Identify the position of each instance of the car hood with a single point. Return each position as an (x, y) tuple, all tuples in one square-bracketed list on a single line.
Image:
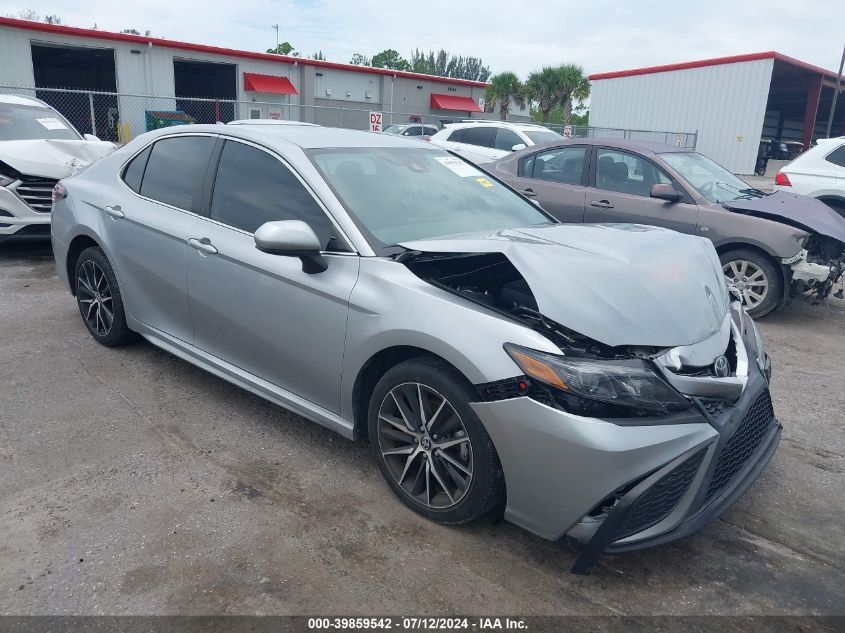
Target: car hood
[(802, 212), (51, 158), (619, 284)]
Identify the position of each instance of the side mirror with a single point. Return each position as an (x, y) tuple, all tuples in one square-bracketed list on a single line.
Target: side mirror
[(90, 137), (665, 192), (293, 238), (518, 147)]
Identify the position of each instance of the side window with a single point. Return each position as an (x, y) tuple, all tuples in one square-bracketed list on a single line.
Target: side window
[(506, 139), (134, 171), (627, 173), (457, 136), (482, 136), (252, 187), (175, 170), (430, 131), (564, 165), (837, 156)]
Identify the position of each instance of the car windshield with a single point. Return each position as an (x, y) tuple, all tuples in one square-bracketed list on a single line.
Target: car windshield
[(395, 129), (710, 179), (542, 136), (403, 194), (22, 122)]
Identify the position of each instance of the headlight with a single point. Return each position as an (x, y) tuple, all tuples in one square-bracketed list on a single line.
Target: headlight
[(631, 384), (5, 181)]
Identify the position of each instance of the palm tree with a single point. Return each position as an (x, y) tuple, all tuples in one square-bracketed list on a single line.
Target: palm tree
[(574, 85), (505, 88), (544, 88)]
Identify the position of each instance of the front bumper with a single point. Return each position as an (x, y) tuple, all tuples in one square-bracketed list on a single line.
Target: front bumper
[(19, 220)]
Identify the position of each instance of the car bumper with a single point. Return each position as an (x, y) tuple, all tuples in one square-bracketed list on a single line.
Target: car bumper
[(19, 220), (621, 487)]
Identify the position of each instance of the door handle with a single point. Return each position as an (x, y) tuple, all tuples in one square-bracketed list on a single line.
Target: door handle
[(601, 204), (204, 245), (528, 193), (114, 211)]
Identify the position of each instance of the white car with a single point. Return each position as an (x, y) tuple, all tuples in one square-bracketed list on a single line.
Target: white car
[(819, 172), (411, 129), (485, 141), (270, 122), (38, 147)]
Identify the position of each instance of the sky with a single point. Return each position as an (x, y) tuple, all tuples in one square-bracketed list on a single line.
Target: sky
[(599, 35)]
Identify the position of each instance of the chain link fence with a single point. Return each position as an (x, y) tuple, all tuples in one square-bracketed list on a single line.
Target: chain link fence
[(120, 117)]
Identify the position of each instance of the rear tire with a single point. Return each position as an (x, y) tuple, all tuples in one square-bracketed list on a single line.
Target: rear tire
[(756, 276), (449, 471), (99, 300)]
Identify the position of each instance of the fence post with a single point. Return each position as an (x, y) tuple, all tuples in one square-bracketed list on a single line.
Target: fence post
[(339, 117), (93, 117)]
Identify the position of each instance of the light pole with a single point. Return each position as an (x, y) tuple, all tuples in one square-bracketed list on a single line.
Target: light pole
[(835, 95), (276, 26)]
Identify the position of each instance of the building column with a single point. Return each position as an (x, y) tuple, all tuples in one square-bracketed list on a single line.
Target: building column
[(813, 92)]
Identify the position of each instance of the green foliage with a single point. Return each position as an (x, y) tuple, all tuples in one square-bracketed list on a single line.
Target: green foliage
[(555, 89), (360, 60), (285, 48), (444, 64), (505, 89), (318, 56), (391, 59), (31, 15), (580, 115)]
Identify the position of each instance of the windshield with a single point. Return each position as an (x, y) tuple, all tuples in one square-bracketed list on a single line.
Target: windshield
[(712, 181), (395, 129), (543, 136), (22, 122), (404, 194)]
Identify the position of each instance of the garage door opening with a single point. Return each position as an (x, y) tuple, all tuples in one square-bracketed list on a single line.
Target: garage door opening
[(79, 68), (208, 81)]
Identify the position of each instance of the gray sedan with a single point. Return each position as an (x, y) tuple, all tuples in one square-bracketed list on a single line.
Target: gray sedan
[(770, 246), (591, 381)]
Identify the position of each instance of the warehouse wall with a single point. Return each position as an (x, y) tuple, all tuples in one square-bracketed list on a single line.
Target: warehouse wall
[(725, 104)]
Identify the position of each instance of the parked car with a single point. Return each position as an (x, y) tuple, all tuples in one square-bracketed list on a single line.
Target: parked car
[(411, 129), (269, 122), (819, 172), (595, 381), (770, 246), (482, 142), (37, 147)]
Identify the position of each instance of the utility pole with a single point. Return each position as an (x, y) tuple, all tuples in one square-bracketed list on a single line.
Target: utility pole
[(836, 89), (276, 26)]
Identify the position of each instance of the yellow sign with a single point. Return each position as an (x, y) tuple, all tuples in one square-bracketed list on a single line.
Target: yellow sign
[(484, 182), (740, 138)]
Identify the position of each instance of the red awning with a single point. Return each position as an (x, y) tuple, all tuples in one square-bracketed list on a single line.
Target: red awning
[(451, 102), (268, 83)]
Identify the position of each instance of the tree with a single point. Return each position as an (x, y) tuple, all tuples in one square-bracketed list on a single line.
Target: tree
[(147, 33), (574, 85), (505, 88), (319, 56), (285, 48), (360, 60), (31, 15), (544, 88), (52, 19), (391, 59), (443, 64)]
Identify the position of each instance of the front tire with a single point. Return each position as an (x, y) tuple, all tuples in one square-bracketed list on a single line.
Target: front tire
[(757, 278), (430, 445), (99, 300)]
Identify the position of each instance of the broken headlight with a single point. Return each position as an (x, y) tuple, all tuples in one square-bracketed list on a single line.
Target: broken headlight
[(627, 385)]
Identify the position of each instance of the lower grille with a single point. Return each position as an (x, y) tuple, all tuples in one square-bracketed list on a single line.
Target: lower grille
[(37, 192), (657, 502), (743, 443)]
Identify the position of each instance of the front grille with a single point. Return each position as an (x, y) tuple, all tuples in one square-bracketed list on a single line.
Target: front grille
[(743, 443), (37, 192), (657, 502)]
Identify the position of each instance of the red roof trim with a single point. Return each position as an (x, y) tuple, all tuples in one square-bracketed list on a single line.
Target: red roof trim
[(253, 82), (454, 102), (73, 31), (717, 61)]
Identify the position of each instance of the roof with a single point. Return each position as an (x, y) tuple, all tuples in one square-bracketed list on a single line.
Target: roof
[(496, 123), (20, 100), (273, 84), (716, 61), (61, 29), (644, 147), (452, 102)]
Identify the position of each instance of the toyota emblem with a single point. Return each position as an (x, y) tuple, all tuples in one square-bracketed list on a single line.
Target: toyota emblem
[(721, 367)]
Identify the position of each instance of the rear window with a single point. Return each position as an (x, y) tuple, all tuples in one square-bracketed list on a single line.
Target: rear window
[(175, 170), (837, 156), (22, 122)]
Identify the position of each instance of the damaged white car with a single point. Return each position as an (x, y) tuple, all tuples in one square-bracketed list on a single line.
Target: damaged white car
[(38, 146)]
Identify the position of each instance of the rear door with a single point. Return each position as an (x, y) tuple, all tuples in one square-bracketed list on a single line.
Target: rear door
[(556, 178), (145, 225), (620, 191)]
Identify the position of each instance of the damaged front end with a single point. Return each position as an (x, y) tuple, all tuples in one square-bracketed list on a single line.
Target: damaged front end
[(819, 269)]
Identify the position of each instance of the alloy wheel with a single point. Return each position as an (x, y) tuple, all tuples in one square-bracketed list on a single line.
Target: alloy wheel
[(749, 279), (95, 298), (425, 445)]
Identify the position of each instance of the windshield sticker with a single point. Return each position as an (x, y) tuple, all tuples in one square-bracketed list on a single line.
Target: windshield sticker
[(457, 166), (52, 123), (484, 182)]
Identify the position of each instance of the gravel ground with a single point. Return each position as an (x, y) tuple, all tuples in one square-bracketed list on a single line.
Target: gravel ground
[(134, 483)]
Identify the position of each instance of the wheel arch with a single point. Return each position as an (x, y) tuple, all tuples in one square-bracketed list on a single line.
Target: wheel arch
[(75, 248)]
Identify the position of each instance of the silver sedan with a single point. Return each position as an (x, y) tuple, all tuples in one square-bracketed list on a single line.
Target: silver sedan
[(596, 381)]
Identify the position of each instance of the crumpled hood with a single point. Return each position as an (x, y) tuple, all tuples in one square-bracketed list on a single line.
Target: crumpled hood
[(619, 284), (803, 212), (52, 158)]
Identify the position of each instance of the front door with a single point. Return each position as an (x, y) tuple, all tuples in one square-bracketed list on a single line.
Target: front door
[(259, 311)]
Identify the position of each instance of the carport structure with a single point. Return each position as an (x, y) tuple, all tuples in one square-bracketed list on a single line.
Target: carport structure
[(732, 102)]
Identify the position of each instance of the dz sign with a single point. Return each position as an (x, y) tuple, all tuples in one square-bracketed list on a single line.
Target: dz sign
[(375, 121)]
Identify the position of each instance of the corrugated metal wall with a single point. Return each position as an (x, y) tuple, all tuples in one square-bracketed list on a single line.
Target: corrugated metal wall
[(725, 104)]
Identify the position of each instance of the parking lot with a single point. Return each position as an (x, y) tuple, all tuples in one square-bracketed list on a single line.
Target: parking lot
[(135, 483)]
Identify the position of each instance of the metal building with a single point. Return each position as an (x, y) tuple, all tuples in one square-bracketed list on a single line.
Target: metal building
[(733, 103), (128, 76)]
